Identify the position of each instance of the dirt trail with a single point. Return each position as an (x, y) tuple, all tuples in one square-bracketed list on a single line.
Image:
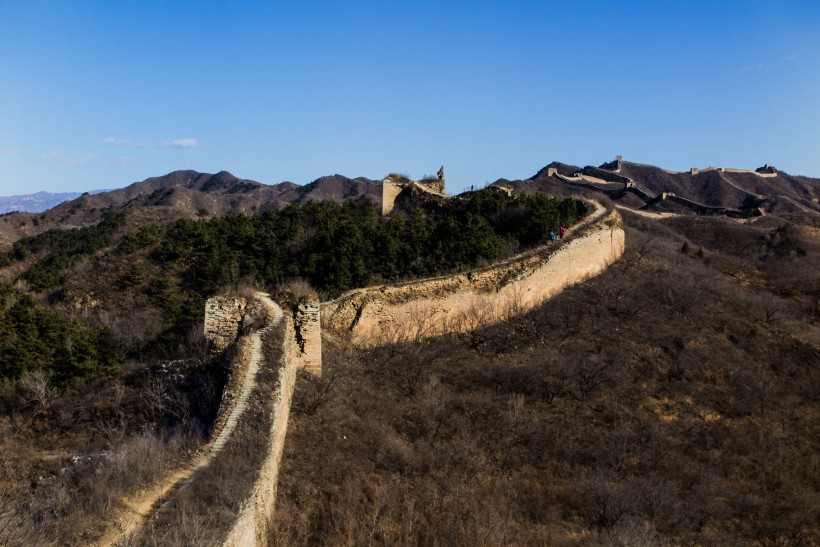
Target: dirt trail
[(139, 507), (647, 214), (726, 179)]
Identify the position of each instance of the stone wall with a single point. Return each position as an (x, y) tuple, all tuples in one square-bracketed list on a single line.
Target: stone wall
[(308, 335), (393, 185), (252, 525), (406, 311), (464, 301), (223, 315), (390, 192)]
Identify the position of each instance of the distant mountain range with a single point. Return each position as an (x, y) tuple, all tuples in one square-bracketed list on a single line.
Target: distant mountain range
[(190, 194), (38, 202), (180, 194)]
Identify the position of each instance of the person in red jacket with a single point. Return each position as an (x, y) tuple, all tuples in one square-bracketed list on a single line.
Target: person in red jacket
[(562, 231)]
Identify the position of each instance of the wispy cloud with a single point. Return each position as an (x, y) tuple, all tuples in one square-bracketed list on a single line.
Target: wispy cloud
[(114, 141), (13, 151), (69, 159), (749, 68), (180, 143), (124, 161), (771, 64), (174, 143)]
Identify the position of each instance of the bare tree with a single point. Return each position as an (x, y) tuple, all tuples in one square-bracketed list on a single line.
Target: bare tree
[(36, 390)]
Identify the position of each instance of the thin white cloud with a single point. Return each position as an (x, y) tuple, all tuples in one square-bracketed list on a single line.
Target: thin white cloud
[(180, 143), (124, 161), (69, 159), (792, 56), (175, 143), (749, 68), (13, 151), (114, 141)]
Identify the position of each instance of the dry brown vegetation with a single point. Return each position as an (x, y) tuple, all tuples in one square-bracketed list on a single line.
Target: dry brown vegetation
[(671, 400), (69, 455), (202, 511)]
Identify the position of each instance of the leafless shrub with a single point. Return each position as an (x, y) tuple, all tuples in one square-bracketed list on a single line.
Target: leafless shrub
[(35, 390), (471, 323), (314, 391), (514, 304), (554, 376), (590, 375), (297, 291)]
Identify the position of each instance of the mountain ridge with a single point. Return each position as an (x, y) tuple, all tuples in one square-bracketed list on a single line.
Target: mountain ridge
[(192, 194)]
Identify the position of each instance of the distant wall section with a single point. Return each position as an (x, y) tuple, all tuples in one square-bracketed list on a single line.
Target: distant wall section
[(390, 192)]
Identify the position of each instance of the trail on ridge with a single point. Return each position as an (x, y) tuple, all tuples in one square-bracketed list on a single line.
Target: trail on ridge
[(139, 507)]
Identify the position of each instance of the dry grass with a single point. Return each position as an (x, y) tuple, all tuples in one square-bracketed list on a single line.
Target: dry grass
[(203, 510), (656, 404)]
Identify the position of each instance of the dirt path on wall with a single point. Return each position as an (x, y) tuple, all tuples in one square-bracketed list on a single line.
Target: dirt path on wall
[(725, 179), (647, 214), (139, 507)]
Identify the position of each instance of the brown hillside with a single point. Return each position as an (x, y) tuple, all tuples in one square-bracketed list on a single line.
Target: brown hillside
[(183, 194), (672, 400)]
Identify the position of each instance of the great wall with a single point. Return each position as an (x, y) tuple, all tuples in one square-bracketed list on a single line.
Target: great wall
[(369, 316), (608, 181), (387, 314), (430, 307)]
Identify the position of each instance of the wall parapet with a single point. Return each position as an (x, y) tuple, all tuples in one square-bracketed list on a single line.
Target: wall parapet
[(307, 329)]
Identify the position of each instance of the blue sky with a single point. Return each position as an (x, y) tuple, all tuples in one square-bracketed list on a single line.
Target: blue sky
[(101, 94)]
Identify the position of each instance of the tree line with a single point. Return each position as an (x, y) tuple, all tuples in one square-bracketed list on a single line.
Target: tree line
[(340, 246), (333, 246)]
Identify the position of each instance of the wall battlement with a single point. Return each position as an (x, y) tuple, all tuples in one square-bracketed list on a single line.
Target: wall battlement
[(308, 335), (223, 316)]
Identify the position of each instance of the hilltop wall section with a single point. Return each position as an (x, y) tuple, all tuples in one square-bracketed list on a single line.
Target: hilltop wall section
[(393, 185), (767, 171), (390, 191), (456, 303), (611, 184)]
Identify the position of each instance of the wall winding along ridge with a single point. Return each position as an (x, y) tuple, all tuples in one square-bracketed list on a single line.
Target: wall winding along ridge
[(415, 310), (431, 307)]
